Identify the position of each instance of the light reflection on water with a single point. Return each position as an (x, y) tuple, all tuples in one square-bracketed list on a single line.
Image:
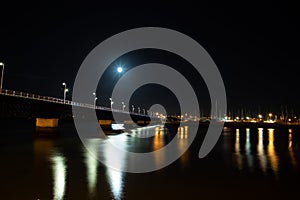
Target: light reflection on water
[(182, 138), (92, 165), (291, 150), (272, 152), (260, 150), (115, 177), (248, 148), (98, 147), (254, 150), (239, 156), (158, 142), (59, 168), (265, 156)]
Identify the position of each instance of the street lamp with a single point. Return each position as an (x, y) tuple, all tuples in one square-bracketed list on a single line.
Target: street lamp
[(139, 110), (260, 117), (132, 108), (123, 106), (270, 116), (65, 91), (2, 74), (111, 103), (95, 99)]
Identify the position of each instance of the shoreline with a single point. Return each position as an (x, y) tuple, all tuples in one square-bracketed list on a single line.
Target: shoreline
[(6, 123)]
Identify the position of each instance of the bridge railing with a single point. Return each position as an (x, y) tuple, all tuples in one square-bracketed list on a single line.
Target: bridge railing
[(32, 96), (62, 101)]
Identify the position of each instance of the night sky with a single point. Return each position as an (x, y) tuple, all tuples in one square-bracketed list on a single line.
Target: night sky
[(256, 47)]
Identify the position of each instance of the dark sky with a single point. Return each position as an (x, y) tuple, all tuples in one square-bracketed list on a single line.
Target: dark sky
[(254, 46)]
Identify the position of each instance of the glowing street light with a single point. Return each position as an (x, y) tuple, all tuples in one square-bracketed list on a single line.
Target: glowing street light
[(270, 115), (2, 74), (132, 106), (95, 100), (65, 91), (111, 103), (123, 106), (139, 110)]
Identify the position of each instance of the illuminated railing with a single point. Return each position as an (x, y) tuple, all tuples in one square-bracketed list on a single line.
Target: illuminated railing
[(61, 101)]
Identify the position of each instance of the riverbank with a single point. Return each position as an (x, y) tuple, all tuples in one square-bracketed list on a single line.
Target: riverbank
[(247, 125)]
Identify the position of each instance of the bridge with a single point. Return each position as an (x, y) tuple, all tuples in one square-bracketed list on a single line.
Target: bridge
[(22, 105)]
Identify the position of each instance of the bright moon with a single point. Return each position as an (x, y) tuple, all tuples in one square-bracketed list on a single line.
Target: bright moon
[(120, 69)]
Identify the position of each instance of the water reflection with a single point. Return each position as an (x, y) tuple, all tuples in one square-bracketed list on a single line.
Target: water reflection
[(260, 150), (182, 132), (266, 153), (290, 139), (158, 142), (55, 164), (242, 150), (92, 164), (59, 169), (291, 150), (254, 150), (248, 149), (100, 148), (237, 149), (42, 152), (144, 132), (182, 142), (271, 151), (115, 177)]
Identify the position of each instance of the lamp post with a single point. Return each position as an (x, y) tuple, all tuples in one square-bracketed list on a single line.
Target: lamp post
[(111, 103), (95, 100), (2, 74), (65, 91), (123, 106), (132, 106), (139, 110)]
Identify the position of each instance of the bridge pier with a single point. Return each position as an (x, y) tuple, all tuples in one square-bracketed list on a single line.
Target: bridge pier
[(46, 123)]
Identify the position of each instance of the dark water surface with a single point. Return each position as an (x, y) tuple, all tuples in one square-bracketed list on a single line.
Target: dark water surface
[(245, 164)]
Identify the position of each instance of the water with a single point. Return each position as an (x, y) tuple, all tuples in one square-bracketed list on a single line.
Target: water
[(245, 164)]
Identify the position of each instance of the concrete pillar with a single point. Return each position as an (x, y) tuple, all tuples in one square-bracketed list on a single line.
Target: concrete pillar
[(46, 123)]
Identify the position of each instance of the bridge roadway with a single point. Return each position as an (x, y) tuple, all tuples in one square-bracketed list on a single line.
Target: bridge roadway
[(22, 105)]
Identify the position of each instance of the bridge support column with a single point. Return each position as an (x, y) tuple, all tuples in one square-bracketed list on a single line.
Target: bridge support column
[(46, 123)]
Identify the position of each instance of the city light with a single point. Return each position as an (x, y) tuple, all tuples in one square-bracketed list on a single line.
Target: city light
[(65, 91), (95, 99), (2, 74), (111, 103)]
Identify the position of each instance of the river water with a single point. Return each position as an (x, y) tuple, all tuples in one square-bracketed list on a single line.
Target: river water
[(246, 163)]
